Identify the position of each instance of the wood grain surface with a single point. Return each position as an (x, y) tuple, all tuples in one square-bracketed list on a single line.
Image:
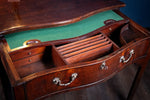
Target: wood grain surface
[(114, 89), (17, 16)]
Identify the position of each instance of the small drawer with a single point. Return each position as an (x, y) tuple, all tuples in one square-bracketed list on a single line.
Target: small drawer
[(28, 60), (24, 66), (19, 54)]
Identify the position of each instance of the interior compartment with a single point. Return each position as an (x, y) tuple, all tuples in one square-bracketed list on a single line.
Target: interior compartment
[(41, 58), (83, 50), (89, 48), (125, 34), (33, 63), (129, 33)]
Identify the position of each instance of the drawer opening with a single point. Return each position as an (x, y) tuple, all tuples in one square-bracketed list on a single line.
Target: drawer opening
[(87, 49), (125, 34), (41, 58), (34, 63), (129, 33)]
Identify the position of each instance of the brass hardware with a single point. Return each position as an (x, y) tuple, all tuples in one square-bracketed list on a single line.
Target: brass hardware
[(103, 66), (110, 29), (29, 60), (29, 53), (57, 81), (122, 59), (31, 42)]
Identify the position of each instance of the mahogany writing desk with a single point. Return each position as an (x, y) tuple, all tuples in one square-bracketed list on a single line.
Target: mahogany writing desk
[(53, 46)]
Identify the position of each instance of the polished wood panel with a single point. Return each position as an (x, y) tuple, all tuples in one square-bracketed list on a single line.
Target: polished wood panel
[(114, 89), (57, 58), (28, 60), (38, 70), (9, 66), (77, 43), (84, 44), (18, 16), (13, 0), (33, 79), (16, 55), (85, 50), (84, 76), (89, 55), (112, 26), (19, 93)]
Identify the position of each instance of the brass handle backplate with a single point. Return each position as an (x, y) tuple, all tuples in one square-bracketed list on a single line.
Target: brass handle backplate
[(57, 81), (123, 60)]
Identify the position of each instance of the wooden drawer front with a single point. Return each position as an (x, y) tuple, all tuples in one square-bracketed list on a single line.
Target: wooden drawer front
[(28, 60), (16, 55), (140, 49), (87, 75)]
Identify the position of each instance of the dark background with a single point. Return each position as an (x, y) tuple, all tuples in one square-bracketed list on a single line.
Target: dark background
[(138, 10)]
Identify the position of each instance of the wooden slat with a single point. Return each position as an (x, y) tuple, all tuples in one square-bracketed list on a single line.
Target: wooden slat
[(85, 49), (78, 42), (91, 53), (83, 46)]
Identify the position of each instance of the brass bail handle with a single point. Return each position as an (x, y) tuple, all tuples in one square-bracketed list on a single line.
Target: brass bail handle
[(103, 66), (57, 81), (123, 60)]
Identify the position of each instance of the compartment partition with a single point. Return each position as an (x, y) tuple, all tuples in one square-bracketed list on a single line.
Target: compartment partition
[(36, 59), (83, 50)]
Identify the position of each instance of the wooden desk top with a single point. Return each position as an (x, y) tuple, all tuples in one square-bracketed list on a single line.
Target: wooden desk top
[(63, 32), (32, 14)]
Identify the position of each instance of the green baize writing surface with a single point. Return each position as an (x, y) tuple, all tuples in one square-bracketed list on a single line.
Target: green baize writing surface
[(63, 32)]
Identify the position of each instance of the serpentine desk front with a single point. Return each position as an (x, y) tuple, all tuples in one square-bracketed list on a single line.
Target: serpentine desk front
[(47, 50)]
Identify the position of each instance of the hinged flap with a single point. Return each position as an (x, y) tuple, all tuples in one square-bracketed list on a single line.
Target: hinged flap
[(32, 14)]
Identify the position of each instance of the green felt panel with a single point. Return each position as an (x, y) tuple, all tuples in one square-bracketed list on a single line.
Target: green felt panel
[(63, 32)]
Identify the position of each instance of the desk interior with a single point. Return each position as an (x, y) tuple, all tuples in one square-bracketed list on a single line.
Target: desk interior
[(45, 57), (63, 32)]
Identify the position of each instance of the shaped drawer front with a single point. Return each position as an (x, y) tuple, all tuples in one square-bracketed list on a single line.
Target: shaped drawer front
[(84, 75), (16, 55), (134, 52)]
